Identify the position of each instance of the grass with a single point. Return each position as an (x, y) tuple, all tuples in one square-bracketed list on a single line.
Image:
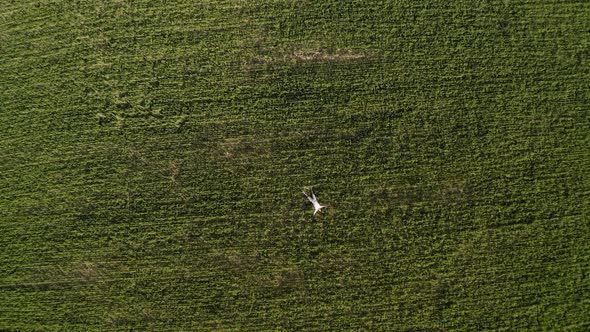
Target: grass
[(152, 159)]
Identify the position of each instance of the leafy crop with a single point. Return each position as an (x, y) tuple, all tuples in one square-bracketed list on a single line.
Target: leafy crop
[(152, 158)]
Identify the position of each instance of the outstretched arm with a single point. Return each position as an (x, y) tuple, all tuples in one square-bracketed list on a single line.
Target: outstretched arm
[(310, 199)]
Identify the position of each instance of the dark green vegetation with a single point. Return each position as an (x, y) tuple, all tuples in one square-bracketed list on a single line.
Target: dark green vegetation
[(152, 159)]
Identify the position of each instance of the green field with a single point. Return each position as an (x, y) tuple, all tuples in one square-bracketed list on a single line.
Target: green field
[(152, 158)]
